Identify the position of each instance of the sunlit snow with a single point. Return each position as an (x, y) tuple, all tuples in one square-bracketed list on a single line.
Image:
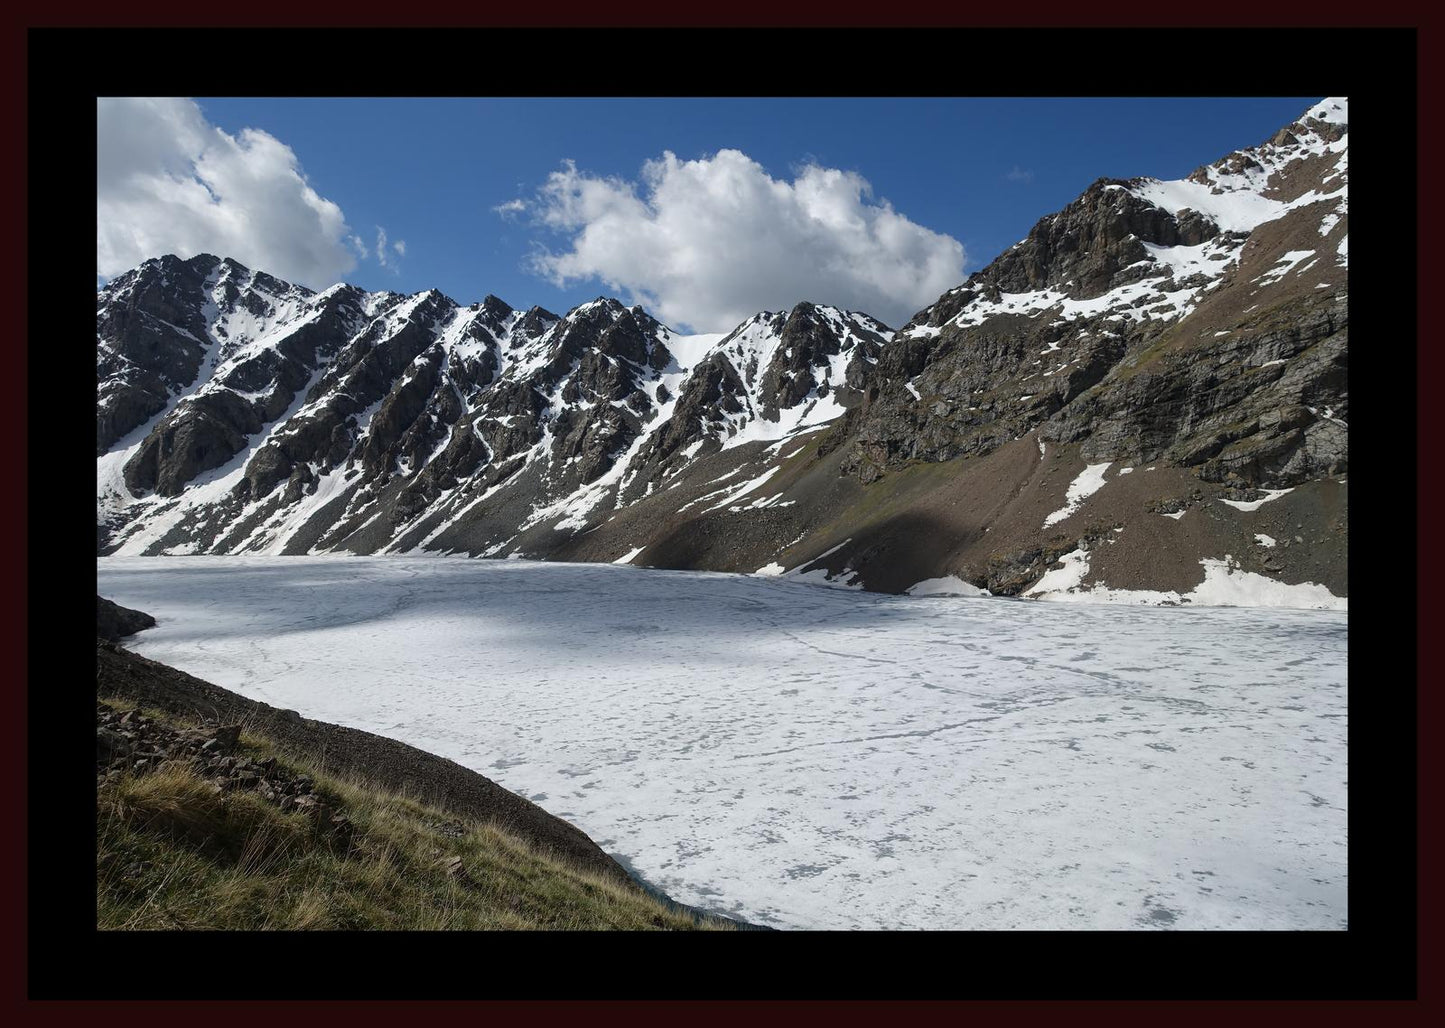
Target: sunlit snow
[(1225, 584), (1088, 482), (813, 758), (1247, 505), (948, 585), (1284, 266)]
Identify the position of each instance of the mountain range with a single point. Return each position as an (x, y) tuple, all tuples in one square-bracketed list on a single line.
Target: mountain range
[(1146, 399)]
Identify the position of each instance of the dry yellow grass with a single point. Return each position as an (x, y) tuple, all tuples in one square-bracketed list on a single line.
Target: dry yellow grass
[(175, 852)]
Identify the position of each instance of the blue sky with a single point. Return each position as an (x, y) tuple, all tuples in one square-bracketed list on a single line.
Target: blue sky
[(764, 197)]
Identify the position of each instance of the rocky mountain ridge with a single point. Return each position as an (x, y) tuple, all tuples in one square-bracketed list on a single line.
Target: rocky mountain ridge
[(224, 394), (1193, 330), (1122, 284)]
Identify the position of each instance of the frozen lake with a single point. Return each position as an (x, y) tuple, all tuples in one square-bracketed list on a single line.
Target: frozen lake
[(813, 758)]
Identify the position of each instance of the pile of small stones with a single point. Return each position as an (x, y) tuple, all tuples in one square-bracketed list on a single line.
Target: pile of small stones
[(131, 743)]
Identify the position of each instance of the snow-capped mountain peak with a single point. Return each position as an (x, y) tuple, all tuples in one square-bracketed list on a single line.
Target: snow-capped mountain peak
[(415, 404), (1195, 327)]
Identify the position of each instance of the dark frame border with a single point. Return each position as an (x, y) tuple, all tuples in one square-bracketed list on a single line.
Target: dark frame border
[(1376, 958)]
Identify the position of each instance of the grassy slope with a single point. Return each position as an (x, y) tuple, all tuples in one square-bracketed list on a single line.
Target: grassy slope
[(175, 853)]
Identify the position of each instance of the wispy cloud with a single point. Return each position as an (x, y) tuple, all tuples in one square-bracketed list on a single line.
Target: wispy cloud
[(706, 243), (511, 208), (384, 254), (1020, 174)]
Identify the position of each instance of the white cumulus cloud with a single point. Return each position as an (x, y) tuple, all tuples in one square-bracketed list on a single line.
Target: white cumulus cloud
[(706, 243), (168, 181)]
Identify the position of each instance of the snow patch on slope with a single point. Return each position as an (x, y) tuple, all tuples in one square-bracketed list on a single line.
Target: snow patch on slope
[(626, 558), (1224, 585), (1269, 494), (948, 585), (1086, 484)]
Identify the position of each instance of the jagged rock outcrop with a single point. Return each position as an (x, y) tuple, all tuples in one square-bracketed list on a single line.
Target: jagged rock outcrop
[(318, 415), (114, 622), (1122, 323), (129, 743)]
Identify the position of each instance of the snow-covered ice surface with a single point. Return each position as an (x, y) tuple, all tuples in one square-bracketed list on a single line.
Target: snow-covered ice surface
[(816, 758)]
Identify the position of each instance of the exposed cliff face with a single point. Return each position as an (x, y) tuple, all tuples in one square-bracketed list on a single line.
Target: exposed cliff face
[(1195, 331), (1201, 322), (362, 421)]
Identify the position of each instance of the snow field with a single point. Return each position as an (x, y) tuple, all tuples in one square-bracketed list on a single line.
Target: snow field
[(818, 758)]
